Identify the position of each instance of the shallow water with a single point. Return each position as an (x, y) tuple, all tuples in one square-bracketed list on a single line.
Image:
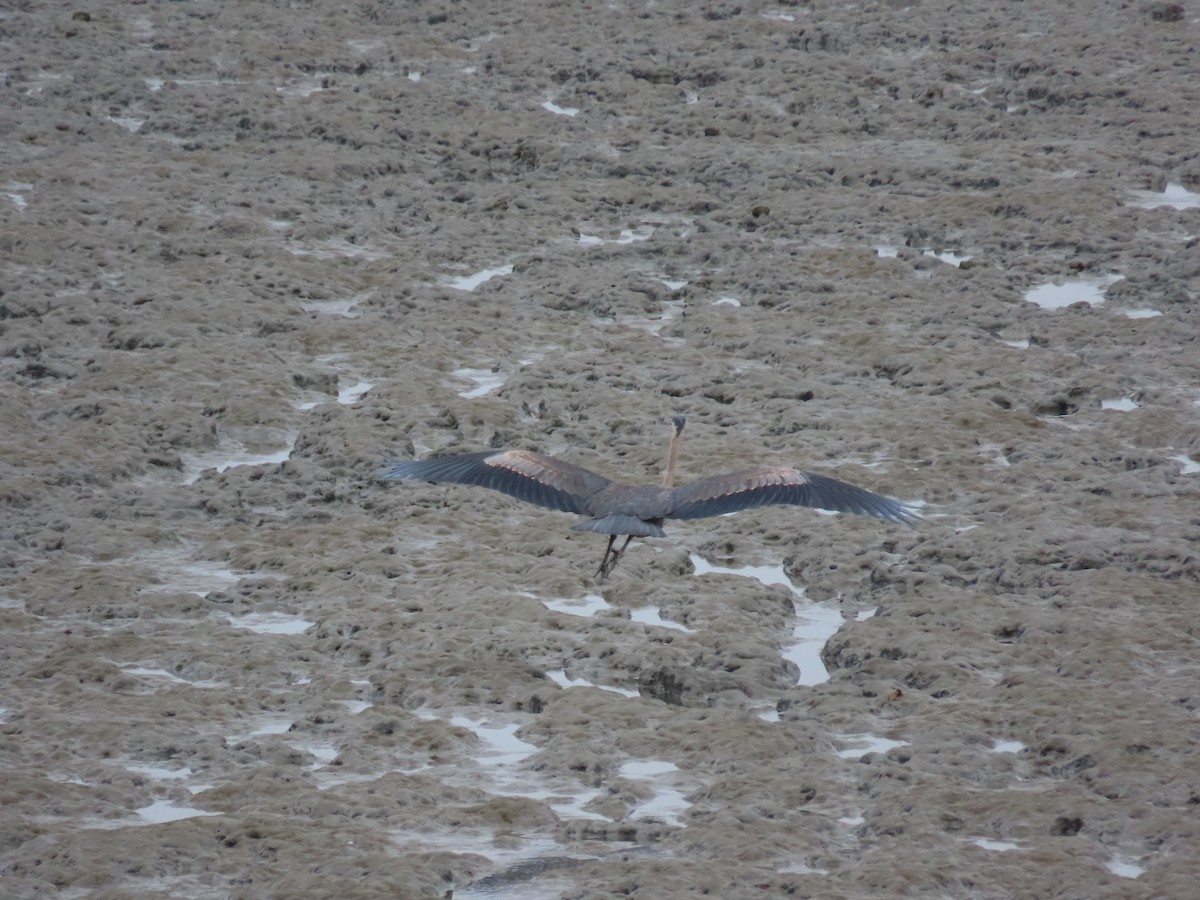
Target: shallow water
[(1054, 295), (474, 280), (815, 624), (271, 623), (229, 454), (1174, 195)]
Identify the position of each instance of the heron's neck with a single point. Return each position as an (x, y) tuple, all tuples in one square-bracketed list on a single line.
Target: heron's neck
[(672, 461)]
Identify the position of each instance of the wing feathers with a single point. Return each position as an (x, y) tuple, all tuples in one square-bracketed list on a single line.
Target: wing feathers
[(780, 485), (532, 477), (555, 484)]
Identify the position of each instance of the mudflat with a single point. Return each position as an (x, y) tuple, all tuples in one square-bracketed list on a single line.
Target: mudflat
[(250, 250)]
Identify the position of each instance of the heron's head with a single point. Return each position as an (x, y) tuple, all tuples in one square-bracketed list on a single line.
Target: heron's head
[(678, 422)]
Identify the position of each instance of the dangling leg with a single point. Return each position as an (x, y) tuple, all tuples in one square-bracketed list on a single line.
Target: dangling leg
[(618, 554), (609, 564), (605, 568)]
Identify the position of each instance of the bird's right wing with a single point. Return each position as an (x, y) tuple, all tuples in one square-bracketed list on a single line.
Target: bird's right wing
[(720, 494), (532, 477)]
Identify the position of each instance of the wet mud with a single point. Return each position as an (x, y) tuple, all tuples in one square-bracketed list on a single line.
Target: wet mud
[(251, 250)]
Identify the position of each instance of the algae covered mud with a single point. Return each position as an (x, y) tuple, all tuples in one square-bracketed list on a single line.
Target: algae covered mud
[(252, 249)]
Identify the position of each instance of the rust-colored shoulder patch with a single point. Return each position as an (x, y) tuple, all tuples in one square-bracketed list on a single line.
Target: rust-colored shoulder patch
[(768, 477), (747, 480), (549, 472), (525, 462)]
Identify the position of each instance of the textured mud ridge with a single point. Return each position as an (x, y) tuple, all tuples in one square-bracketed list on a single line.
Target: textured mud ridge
[(250, 250)]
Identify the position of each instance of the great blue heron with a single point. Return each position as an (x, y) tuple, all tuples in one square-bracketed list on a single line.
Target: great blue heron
[(638, 510)]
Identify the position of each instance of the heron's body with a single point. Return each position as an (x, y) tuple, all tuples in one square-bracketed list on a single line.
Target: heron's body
[(639, 510)]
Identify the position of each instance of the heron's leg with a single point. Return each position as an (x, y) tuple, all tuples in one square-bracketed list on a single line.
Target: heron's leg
[(610, 561), (617, 555), (605, 568)]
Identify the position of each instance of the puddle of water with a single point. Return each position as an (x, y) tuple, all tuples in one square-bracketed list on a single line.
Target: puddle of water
[(650, 615), (357, 706), (1059, 296), (230, 454), (171, 676), (566, 804), (1124, 867), (334, 248), (158, 773), (800, 868), (470, 282), (129, 123), (886, 251), (485, 380), (647, 768), (627, 236), (268, 724), (353, 393), (365, 46), (815, 623), (414, 76), (322, 751), (157, 84), (199, 578), (560, 677), (1189, 465), (1008, 747), (553, 107), (586, 606), (164, 811), (16, 191), (501, 757), (949, 257), (1146, 313), (1175, 196), (862, 744), (1122, 404), (995, 454), (65, 779), (502, 746), (347, 309), (1020, 345), (765, 574), (671, 309), (348, 392), (304, 87), (668, 804), (990, 844), (271, 623)]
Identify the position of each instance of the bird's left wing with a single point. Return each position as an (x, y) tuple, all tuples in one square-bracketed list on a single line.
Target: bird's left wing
[(532, 477), (720, 494)]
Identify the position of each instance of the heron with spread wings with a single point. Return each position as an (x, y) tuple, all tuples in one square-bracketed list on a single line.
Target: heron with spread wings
[(638, 510)]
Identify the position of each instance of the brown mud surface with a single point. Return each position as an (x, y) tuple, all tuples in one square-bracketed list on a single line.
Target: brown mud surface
[(235, 664)]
